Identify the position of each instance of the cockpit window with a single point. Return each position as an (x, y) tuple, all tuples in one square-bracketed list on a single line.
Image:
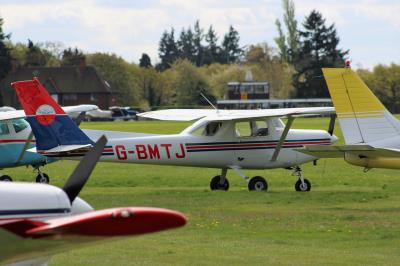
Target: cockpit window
[(19, 125), (208, 130), (4, 129)]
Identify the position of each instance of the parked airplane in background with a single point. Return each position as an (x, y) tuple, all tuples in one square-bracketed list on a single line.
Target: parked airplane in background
[(237, 139), (371, 133), (39, 220), (16, 137)]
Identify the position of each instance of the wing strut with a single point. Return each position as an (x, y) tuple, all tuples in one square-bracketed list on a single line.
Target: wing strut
[(332, 124), (283, 138), (24, 149)]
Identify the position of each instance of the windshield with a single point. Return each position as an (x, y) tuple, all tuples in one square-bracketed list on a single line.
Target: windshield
[(209, 129), (19, 125)]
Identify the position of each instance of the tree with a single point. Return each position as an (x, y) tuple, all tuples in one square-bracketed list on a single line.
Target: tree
[(145, 61), (288, 44), (34, 55), (121, 76), (385, 82), (72, 57), (5, 55), (186, 47), (190, 82), (197, 42), (212, 50), (168, 50), (318, 48), (231, 50)]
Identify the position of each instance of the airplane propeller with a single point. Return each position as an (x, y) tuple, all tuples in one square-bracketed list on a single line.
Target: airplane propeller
[(85, 167)]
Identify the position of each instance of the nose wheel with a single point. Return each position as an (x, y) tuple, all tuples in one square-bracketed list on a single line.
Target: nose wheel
[(42, 178), (302, 184)]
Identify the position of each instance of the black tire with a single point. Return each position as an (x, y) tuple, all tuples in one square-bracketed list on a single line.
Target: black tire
[(300, 188), (6, 178), (216, 185), (258, 183), (44, 178)]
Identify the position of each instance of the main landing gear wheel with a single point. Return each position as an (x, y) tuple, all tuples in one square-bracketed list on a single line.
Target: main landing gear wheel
[(258, 183), (42, 178), (303, 187), (216, 184), (5, 178)]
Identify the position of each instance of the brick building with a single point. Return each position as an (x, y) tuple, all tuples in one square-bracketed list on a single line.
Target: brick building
[(68, 85)]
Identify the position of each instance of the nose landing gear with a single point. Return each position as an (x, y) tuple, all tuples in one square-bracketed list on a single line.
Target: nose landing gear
[(302, 184)]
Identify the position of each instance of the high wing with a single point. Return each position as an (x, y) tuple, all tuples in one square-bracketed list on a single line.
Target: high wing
[(68, 109), (29, 239), (211, 114), (323, 151)]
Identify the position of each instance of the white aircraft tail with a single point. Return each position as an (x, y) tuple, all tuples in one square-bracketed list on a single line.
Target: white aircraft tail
[(362, 117)]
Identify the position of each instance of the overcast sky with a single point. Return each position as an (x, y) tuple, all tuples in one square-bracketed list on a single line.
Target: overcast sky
[(369, 28)]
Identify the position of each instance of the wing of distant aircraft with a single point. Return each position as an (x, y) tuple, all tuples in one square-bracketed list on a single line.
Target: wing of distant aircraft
[(9, 115), (212, 114)]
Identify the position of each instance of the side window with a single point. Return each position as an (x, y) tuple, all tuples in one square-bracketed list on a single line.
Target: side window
[(19, 125), (257, 128), (208, 130), (4, 129), (243, 129)]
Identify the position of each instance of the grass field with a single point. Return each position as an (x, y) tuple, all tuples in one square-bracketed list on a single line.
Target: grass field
[(349, 217)]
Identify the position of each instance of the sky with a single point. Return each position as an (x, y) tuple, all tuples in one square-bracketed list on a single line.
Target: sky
[(370, 29)]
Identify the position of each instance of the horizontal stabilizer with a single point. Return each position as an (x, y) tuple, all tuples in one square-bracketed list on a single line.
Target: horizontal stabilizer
[(63, 150), (323, 151)]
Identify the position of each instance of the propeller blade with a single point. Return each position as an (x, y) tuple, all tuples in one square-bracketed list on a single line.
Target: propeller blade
[(85, 167)]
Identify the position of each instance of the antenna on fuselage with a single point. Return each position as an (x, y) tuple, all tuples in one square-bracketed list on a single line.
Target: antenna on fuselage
[(212, 105)]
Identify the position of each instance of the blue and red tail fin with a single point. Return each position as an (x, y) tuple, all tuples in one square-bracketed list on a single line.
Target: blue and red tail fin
[(51, 126)]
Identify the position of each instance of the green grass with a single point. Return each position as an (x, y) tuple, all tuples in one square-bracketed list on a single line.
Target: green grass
[(349, 217)]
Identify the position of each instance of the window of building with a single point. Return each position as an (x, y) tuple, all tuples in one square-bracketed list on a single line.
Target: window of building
[(93, 97), (70, 97)]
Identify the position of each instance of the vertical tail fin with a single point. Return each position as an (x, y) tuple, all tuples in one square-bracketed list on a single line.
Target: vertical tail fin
[(362, 117), (51, 126)]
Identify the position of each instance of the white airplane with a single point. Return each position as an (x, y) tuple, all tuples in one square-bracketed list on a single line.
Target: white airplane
[(16, 137), (371, 132), (39, 220), (237, 139)]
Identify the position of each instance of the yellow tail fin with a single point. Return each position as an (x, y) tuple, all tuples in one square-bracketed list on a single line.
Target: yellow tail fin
[(362, 117)]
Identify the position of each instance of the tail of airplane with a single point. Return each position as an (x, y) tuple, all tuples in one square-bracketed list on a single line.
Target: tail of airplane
[(55, 132), (362, 117)]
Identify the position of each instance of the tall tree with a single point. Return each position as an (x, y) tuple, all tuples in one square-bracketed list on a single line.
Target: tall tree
[(288, 44), (5, 56), (197, 42), (230, 47), (318, 48), (167, 51), (212, 50), (145, 61), (186, 47), (72, 57)]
